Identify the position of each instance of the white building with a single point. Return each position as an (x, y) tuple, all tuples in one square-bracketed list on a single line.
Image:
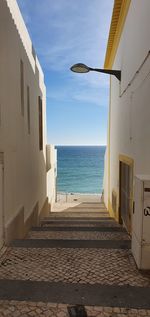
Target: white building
[(128, 150), (27, 181)]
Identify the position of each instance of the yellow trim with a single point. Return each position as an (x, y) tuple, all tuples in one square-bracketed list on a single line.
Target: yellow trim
[(108, 143), (126, 159), (114, 193), (111, 212), (110, 209), (119, 15)]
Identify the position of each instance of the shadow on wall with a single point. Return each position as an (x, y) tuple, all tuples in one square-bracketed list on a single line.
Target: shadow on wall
[(24, 219)]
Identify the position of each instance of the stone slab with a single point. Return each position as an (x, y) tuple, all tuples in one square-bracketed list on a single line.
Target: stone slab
[(78, 211), (99, 229), (65, 293), (50, 243), (75, 219), (78, 219)]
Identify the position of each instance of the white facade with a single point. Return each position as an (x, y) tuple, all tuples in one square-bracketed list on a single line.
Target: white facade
[(141, 222), (129, 126), (23, 175)]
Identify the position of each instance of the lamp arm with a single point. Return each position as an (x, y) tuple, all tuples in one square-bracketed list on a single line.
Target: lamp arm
[(116, 73)]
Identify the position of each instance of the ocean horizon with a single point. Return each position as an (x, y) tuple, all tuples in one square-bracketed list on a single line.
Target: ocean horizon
[(80, 169)]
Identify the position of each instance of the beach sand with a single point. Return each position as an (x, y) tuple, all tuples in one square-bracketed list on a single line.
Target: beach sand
[(69, 200)]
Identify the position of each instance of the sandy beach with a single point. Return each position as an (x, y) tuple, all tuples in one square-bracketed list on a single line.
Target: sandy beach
[(69, 200)]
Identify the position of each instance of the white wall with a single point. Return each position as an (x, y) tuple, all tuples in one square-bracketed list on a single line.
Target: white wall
[(25, 177), (52, 175), (105, 180), (1, 206), (130, 112)]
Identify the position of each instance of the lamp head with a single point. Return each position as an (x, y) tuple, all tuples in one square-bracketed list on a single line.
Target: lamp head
[(80, 68)]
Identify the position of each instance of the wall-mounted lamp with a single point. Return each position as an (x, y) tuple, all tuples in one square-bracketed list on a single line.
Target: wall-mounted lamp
[(82, 68)]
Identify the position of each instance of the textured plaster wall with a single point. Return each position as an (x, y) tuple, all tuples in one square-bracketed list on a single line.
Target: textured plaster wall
[(130, 111), (25, 176)]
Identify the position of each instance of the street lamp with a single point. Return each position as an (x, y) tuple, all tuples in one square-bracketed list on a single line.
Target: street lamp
[(82, 68)]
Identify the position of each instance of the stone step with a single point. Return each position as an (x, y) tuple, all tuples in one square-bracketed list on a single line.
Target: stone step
[(73, 265), (84, 294), (88, 209), (62, 221), (95, 203), (80, 229), (80, 224), (78, 235), (79, 214), (89, 204), (75, 220), (50, 243)]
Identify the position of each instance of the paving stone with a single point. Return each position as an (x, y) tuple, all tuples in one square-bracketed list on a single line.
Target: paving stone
[(106, 266), (47, 310), (73, 222), (88, 274), (83, 224), (80, 235), (107, 228), (78, 217), (61, 243), (80, 212)]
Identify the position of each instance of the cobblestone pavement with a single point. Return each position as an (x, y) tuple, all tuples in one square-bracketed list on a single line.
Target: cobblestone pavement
[(81, 235), (72, 266), (40, 309), (86, 266)]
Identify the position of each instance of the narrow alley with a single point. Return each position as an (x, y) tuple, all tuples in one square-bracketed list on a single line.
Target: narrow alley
[(79, 256)]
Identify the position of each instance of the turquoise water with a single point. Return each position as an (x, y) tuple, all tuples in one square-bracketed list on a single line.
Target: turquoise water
[(80, 169)]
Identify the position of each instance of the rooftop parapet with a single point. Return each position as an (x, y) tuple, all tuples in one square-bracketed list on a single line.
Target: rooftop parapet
[(25, 38)]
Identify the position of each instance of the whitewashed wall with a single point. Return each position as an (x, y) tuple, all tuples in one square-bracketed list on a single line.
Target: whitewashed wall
[(130, 112), (25, 177), (52, 176), (105, 181)]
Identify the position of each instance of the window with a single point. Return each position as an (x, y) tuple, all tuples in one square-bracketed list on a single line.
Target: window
[(22, 86), (28, 108), (40, 125)]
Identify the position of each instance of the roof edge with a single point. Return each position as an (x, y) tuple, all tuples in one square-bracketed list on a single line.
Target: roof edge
[(119, 15)]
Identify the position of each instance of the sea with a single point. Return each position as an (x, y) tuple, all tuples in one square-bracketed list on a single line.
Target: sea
[(80, 169)]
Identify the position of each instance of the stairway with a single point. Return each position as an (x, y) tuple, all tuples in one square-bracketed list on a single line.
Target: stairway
[(80, 256)]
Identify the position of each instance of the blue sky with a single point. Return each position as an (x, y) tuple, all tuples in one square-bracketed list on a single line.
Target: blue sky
[(65, 32)]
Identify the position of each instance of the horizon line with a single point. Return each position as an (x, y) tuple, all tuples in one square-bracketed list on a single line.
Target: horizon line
[(80, 144)]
